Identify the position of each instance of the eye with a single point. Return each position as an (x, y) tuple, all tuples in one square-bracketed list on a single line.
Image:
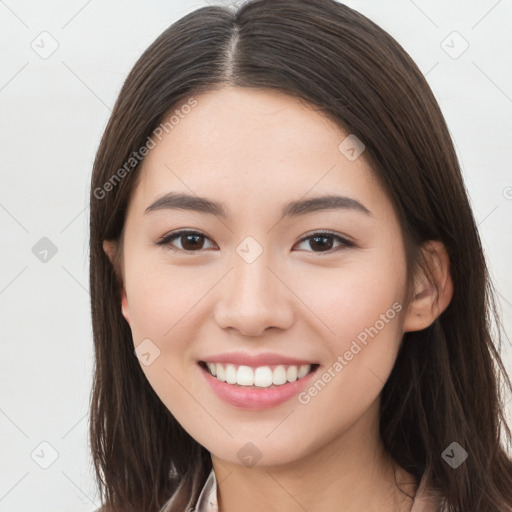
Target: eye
[(193, 241), (324, 241)]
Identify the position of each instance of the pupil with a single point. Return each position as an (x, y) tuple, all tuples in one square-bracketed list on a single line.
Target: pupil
[(193, 245), (322, 246)]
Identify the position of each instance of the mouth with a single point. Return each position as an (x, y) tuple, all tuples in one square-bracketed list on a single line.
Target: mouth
[(260, 377)]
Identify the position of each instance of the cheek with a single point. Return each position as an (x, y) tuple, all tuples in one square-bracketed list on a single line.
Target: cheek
[(362, 307), (350, 300), (161, 305), (164, 304), (160, 297)]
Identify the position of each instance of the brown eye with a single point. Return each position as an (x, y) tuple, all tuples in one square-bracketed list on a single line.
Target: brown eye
[(194, 241), (190, 241), (324, 242)]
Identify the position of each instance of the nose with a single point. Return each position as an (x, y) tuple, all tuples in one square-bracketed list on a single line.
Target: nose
[(254, 298)]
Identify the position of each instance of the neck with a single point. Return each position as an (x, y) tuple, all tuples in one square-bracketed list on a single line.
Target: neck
[(350, 473)]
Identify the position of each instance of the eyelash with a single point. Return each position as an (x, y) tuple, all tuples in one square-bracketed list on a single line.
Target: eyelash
[(167, 239)]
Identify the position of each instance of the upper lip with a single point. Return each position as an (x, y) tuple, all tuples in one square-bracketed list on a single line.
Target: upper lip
[(254, 360)]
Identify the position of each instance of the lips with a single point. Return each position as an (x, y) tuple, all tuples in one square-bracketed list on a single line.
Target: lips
[(256, 381)]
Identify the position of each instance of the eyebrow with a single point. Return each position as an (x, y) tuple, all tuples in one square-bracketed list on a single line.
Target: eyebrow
[(182, 201)]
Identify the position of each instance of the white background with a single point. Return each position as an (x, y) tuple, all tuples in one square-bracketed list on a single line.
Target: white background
[(54, 111)]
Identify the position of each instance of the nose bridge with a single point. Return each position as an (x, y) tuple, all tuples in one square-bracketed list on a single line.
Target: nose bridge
[(253, 298), (252, 280)]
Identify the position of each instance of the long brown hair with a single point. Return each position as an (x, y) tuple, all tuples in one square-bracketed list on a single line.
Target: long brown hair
[(445, 385)]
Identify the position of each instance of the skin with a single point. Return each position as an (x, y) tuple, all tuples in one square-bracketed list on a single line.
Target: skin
[(254, 150)]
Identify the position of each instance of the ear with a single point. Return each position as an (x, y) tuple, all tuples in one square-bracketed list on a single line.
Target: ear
[(427, 302), (109, 247)]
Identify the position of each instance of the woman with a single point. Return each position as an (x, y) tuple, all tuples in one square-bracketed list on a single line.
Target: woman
[(291, 307)]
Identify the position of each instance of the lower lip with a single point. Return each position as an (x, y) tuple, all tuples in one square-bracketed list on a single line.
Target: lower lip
[(246, 397)]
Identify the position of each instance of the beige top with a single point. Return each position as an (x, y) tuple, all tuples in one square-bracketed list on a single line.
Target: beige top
[(424, 501)]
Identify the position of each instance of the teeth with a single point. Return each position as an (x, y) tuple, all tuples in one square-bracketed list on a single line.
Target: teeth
[(279, 375), (230, 374), (291, 373), (212, 368), (261, 377), (303, 371), (221, 372), (245, 376)]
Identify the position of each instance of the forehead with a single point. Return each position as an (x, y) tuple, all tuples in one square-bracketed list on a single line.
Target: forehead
[(242, 144)]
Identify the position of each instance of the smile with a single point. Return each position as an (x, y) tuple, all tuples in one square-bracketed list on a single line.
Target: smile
[(259, 377), (257, 387)]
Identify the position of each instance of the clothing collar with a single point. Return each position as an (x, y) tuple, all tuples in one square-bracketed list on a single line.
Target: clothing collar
[(425, 500), (207, 501)]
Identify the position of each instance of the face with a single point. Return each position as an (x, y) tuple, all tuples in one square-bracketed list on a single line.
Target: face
[(299, 306)]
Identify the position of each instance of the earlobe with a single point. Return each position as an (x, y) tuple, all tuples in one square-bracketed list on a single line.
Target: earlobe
[(427, 302), (124, 306), (110, 249)]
